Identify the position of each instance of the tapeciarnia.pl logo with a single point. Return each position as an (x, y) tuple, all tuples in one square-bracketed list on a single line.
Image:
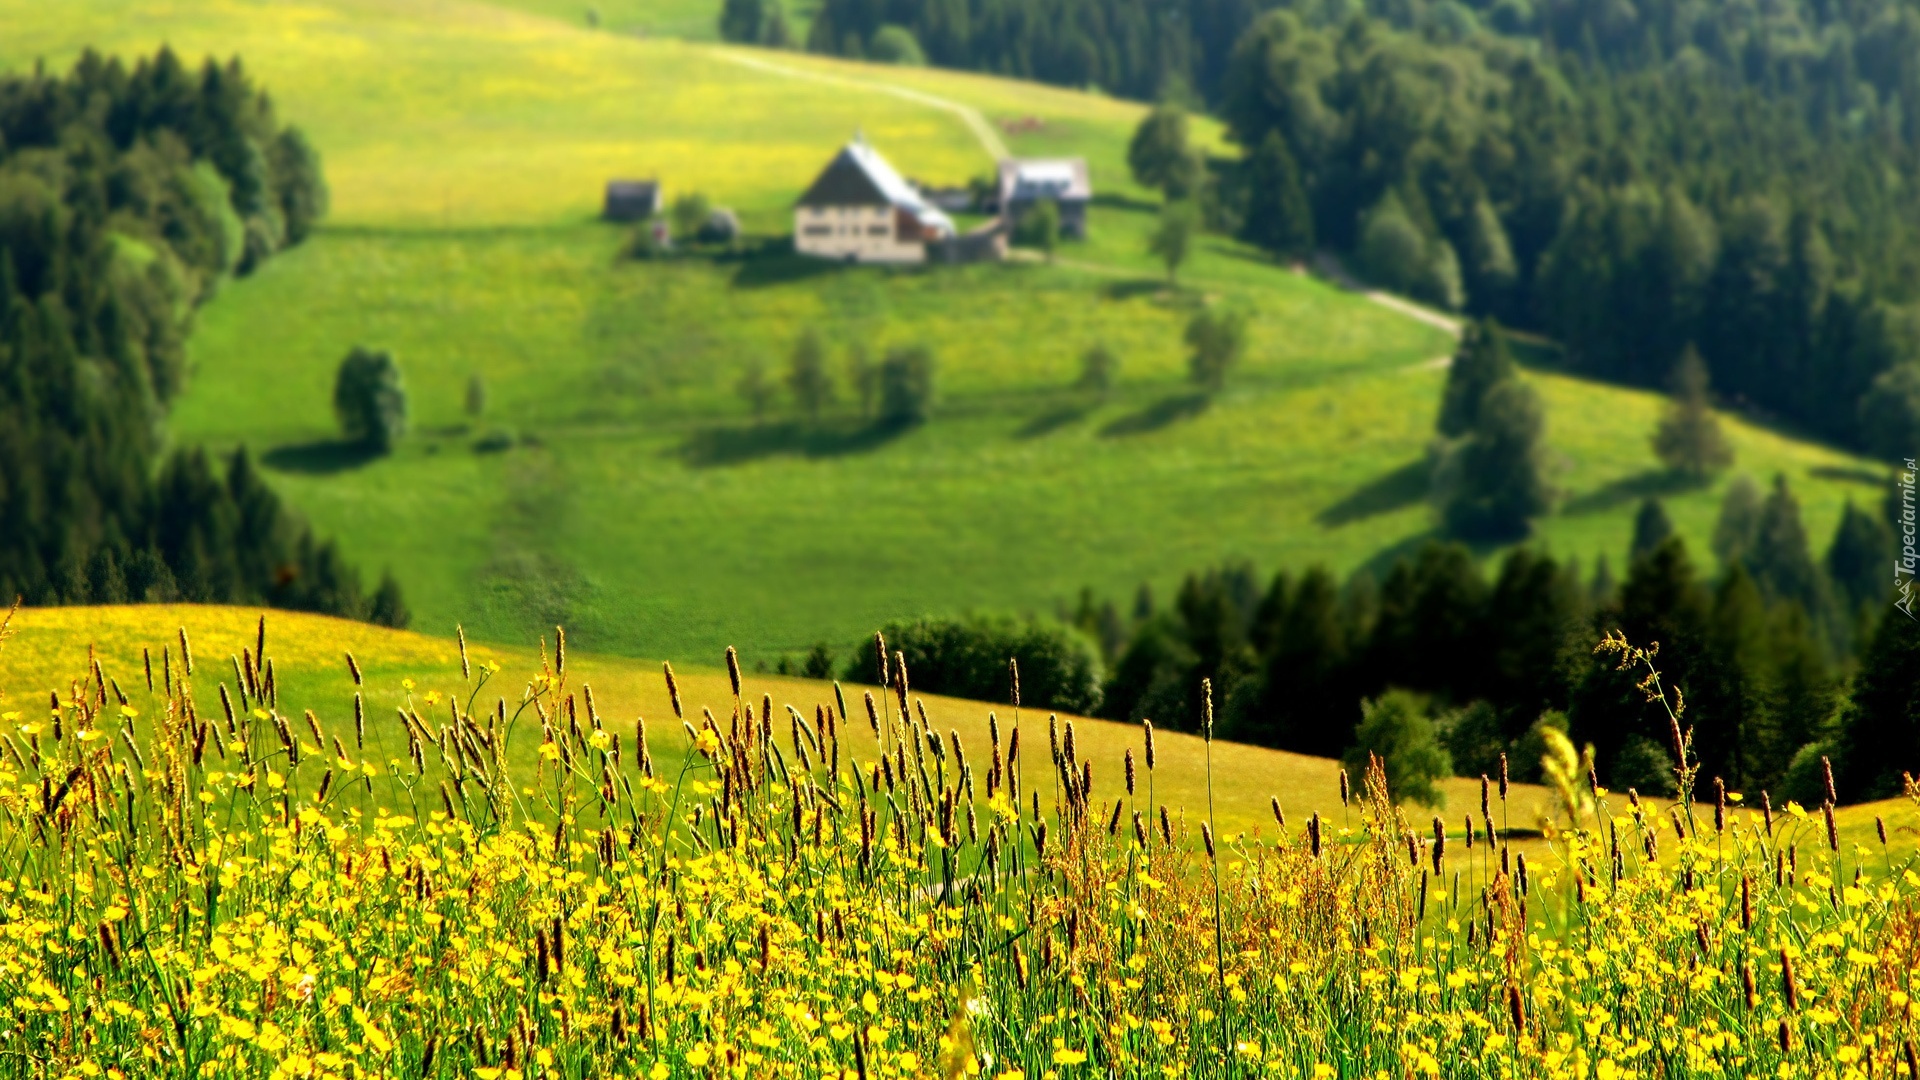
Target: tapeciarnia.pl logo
[(1909, 560)]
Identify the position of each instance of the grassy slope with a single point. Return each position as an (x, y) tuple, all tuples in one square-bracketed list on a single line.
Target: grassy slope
[(466, 146), (48, 650)]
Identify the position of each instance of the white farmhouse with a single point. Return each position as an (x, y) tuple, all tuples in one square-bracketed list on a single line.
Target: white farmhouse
[(860, 210)]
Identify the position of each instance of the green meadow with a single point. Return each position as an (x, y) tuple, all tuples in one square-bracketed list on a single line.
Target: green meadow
[(645, 507)]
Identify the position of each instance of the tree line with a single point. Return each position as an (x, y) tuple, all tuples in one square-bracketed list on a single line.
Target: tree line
[(1631, 177), (127, 194)]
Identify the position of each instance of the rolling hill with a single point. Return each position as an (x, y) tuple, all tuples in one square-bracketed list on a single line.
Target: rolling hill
[(645, 508)]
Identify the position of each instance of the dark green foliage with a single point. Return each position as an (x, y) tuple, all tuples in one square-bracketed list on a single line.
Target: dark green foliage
[(896, 45), (1172, 238), (1880, 732), (125, 195), (807, 377), (1396, 729), (819, 662), (1780, 559), (1099, 367), (1304, 699), (476, 400), (741, 20), (1491, 483), (370, 400), (1215, 339), (1279, 218), (906, 389), (1039, 227), (1689, 440), (1160, 156), (689, 214), (1481, 362), (755, 389), (1859, 562), (1739, 521), (967, 657), (1396, 254), (1890, 413), (1651, 528), (388, 608)]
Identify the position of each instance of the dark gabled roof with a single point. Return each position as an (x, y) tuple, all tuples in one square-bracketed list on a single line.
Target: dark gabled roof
[(845, 182)]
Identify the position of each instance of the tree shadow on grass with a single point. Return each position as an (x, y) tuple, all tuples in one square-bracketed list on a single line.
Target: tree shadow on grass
[(740, 443), (1053, 420), (1651, 483), (1849, 474), (1400, 488), (319, 457), (1164, 413)]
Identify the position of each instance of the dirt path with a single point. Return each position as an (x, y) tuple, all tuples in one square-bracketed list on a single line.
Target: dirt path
[(990, 139)]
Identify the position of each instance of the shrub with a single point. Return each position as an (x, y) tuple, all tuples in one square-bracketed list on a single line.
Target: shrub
[(906, 386), (1039, 227), (689, 214), (1217, 339), (967, 657), (1395, 728), (370, 400), (897, 45)]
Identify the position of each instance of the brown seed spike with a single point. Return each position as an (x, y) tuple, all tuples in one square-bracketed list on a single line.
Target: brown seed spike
[(353, 669), (733, 671), (1503, 778), (1789, 986), (673, 690), (1278, 817), (1147, 726), (559, 650), (1826, 775), (460, 635), (186, 652)]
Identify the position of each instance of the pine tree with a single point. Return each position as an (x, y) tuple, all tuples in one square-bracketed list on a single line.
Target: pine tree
[(1651, 527), (1780, 560), (1860, 560), (1492, 483), (1880, 730), (1739, 521), (1279, 217), (1689, 440), (1480, 362), (388, 607)]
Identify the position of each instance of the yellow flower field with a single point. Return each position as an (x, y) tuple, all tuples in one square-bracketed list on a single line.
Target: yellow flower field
[(245, 891)]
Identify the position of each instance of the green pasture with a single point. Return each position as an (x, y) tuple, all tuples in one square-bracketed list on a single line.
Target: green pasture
[(644, 506)]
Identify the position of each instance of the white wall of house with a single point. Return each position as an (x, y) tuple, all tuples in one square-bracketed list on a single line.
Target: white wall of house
[(863, 233)]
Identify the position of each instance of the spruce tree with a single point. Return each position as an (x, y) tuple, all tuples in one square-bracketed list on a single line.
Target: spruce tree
[(1860, 560), (1651, 527), (1780, 560), (1689, 440), (1880, 730), (1305, 701), (1739, 521), (1279, 218), (1480, 362), (1492, 483)]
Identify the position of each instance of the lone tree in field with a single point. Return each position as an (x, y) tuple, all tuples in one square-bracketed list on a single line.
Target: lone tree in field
[(1689, 440), (808, 379), (1492, 482), (754, 388), (1160, 157), (1480, 362), (370, 400), (906, 386), (1172, 239), (1217, 339), (1098, 366), (476, 396)]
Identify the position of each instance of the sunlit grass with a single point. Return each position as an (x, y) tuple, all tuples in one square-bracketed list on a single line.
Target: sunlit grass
[(540, 887)]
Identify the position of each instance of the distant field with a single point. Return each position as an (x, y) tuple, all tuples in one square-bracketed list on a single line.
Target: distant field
[(466, 146), (48, 651)]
